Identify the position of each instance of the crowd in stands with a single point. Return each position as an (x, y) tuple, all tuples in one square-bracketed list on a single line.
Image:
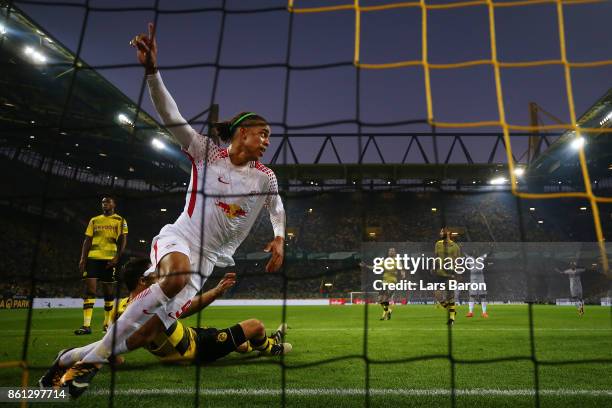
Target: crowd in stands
[(319, 223)]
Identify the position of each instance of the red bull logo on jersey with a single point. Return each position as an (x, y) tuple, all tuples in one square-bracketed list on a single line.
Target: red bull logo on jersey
[(231, 210)]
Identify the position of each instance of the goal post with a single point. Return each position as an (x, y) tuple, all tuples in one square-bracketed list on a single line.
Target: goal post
[(357, 298)]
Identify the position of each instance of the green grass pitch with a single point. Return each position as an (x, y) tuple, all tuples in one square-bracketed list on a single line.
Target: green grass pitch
[(335, 335)]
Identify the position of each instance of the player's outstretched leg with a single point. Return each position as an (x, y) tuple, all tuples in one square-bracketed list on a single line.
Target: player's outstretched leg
[(174, 269), (52, 377)]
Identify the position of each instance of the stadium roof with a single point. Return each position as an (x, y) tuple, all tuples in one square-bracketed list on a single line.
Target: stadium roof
[(560, 160), (56, 114), (74, 116)]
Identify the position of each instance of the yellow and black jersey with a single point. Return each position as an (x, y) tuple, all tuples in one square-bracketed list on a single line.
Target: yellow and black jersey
[(177, 343), (390, 275), (443, 250), (104, 232)]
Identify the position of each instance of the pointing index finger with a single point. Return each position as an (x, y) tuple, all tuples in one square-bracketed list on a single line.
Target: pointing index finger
[(151, 31)]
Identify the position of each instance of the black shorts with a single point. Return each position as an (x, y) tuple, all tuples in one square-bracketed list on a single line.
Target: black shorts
[(213, 344), (96, 269)]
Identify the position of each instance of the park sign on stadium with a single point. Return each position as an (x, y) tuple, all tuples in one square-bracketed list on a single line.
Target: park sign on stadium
[(14, 302)]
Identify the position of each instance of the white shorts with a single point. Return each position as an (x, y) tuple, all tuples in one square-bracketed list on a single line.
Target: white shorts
[(169, 241)]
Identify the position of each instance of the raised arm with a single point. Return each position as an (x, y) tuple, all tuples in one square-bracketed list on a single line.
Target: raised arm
[(168, 112), (199, 302), (166, 107)]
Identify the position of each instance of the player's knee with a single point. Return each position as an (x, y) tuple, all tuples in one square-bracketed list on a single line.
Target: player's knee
[(253, 328)]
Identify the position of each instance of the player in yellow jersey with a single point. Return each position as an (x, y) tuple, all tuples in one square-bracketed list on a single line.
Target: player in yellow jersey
[(178, 344), (105, 241), (446, 249), (386, 296)]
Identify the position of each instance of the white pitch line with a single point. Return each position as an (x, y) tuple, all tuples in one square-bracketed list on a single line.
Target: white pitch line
[(314, 392)]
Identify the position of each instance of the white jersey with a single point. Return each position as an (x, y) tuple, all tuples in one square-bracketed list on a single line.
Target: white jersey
[(574, 279), (223, 200), (476, 273)]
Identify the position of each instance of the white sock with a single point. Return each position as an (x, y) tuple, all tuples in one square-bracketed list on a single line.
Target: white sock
[(149, 300), (471, 307), (484, 306), (71, 357)]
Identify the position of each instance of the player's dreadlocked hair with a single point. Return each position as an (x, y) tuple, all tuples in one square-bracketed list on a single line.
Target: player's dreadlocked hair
[(226, 129)]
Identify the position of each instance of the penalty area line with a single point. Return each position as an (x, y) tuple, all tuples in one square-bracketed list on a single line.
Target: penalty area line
[(355, 392)]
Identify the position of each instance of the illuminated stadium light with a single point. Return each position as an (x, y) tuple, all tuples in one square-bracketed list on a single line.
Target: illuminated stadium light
[(606, 119), (519, 171), (328, 284), (560, 182), (531, 208), (124, 120), (32, 137), (131, 169), (434, 209), (34, 55), (158, 144), (310, 210), (540, 222), (577, 143), (102, 154), (142, 241), (497, 181), (583, 208), (163, 210), (2, 29)]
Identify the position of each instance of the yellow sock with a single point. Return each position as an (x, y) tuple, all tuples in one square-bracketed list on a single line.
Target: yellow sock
[(452, 310), (264, 345), (88, 305), (108, 308)]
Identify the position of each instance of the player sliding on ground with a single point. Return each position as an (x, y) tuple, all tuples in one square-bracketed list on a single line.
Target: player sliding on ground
[(228, 189), (178, 344)]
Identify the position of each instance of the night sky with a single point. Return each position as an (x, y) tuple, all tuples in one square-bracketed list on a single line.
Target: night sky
[(466, 94)]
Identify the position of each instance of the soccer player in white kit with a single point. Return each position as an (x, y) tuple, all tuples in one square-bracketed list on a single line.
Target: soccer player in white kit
[(228, 188), (573, 273), (476, 295)]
